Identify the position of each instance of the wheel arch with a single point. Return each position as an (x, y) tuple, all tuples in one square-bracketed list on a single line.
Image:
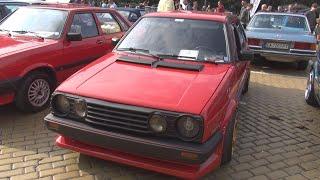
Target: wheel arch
[(46, 68)]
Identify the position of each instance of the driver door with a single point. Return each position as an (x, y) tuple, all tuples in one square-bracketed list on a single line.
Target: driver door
[(79, 53)]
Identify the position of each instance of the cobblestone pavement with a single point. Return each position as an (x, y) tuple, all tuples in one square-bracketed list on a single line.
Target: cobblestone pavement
[(278, 138)]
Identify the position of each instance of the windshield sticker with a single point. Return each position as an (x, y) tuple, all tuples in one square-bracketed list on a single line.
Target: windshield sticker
[(189, 53), (179, 20)]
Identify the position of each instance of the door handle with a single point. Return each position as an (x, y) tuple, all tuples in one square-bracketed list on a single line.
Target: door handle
[(99, 41)]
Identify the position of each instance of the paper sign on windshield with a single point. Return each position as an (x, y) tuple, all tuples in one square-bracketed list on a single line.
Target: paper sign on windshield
[(189, 53)]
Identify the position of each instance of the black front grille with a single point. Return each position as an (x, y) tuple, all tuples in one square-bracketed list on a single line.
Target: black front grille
[(111, 116)]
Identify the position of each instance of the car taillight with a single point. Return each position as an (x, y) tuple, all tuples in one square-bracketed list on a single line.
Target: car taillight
[(305, 46), (254, 42)]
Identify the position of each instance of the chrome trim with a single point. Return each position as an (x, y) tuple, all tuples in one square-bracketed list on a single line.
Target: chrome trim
[(256, 47), (301, 50), (283, 53)]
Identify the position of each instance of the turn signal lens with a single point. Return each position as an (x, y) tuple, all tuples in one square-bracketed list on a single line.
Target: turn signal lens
[(304, 46), (253, 42)]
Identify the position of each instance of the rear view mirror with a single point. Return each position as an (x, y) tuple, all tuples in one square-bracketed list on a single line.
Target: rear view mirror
[(246, 55), (115, 41), (74, 37)]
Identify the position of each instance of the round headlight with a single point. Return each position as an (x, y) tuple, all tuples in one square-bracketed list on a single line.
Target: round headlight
[(188, 127), (80, 108), (158, 123), (61, 104)]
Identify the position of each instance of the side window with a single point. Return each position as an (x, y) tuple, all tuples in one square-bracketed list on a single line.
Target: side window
[(84, 24), (108, 24)]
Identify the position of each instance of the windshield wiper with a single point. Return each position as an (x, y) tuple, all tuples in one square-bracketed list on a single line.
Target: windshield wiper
[(28, 32), (175, 56), (140, 51)]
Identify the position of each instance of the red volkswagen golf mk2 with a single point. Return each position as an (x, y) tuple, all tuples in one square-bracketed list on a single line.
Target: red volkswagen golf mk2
[(164, 100), (42, 46)]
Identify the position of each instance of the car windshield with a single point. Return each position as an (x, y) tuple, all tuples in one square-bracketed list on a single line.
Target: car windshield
[(125, 13), (283, 22), (47, 23), (197, 39)]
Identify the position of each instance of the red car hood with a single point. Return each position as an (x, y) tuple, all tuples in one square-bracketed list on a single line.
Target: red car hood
[(140, 85), (10, 45)]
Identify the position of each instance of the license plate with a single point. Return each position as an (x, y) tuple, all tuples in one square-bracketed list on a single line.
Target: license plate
[(271, 45)]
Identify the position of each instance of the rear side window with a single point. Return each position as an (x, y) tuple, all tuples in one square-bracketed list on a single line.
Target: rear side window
[(84, 24), (108, 24)]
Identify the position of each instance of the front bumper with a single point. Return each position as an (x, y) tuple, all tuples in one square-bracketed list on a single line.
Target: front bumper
[(173, 157), (293, 55)]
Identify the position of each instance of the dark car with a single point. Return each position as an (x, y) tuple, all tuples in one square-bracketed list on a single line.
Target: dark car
[(8, 6), (312, 93), (132, 14)]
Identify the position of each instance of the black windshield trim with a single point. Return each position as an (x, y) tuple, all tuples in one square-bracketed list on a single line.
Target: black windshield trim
[(135, 60), (190, 67)]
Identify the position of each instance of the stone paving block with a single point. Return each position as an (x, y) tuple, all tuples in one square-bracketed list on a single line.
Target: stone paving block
[(26, 176), (50, 172), (242, 175), (277, 174), (7, 174), (260, 170), (67, 175)]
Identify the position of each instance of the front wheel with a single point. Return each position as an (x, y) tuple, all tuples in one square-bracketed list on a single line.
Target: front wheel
[(34, 92), (309, 94)]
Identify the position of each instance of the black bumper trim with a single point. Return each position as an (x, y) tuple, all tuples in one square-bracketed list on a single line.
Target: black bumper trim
[(163, 149), (9, 85)]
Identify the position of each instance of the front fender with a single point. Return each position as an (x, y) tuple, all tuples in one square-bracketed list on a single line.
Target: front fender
[(32, 67)]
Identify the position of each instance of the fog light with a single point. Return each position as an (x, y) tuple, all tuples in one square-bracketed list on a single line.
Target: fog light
[(158, 123), (188, 127), (80, 108)]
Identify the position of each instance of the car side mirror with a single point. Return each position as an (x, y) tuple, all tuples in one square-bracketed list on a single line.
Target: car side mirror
[(115, 41), (74, 37), (246, 55)]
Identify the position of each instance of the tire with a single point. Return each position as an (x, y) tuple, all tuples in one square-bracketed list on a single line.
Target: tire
[(302, 65), (34, 92), (228, 142), (309, 94), (246, 86)]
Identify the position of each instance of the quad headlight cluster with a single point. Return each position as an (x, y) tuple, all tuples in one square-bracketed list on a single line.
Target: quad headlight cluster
[(64, 106), (186, 126)]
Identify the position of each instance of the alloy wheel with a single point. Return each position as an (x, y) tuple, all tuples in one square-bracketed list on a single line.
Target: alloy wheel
[(38, 92)]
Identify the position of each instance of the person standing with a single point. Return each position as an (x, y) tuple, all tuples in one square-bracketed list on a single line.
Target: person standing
[(220, 8), (280, 9), (311, 16), (243, 7), (111, 4), (317, 30), (246, 15), (195, 5), (165, 5), (264, 8), (187, 5), (242, 15)]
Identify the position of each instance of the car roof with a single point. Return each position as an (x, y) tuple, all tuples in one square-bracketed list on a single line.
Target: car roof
[(200, 15), (68, 7), (22, 1), (281, 13), (129, 9)]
